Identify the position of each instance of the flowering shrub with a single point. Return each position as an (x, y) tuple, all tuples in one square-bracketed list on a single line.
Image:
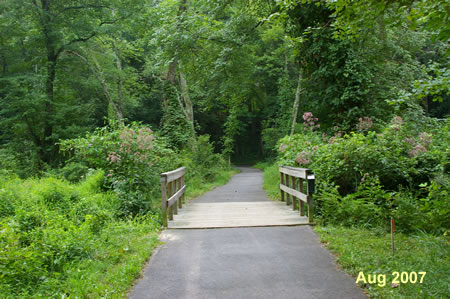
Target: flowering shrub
[(310, 121), (401, 157), (364, 124), (132, 158)]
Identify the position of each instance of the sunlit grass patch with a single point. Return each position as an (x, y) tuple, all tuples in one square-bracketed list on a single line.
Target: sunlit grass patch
[(369, 251)]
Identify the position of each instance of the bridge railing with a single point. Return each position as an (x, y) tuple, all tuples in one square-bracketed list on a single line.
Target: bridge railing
[(297, 184), (172, 193)]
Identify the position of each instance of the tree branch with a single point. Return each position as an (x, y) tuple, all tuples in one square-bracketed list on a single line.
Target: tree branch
[(81, 39)]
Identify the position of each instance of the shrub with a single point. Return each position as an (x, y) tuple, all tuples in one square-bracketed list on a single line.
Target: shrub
[(132, 159), (397, 161), (74, 172), (202, 162)]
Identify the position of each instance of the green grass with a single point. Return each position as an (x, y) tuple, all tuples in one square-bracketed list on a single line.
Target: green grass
[(369, 251), (197, 187), (271, 179), (59, 239), (115, 265)]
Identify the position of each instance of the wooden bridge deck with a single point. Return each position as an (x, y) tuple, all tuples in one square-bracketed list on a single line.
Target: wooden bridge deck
[(240, 203)]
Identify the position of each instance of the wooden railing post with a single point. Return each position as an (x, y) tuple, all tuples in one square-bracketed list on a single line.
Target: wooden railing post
[(169, 194), (310, 181), (302, 205), (174, 190), (183, 199), (288, 196), (180, 201), (282, 183), (294, 199), (164, 201)]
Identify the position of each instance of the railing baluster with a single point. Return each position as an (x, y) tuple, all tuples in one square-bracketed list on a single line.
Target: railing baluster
[(294, 199), (174, 190)]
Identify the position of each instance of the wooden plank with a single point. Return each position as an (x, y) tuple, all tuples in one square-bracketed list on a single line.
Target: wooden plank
[(174, 174), (236, 214), (294, 171), (172, 200), (295, 193)]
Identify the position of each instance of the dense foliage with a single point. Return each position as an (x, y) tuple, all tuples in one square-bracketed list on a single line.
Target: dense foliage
[(51, 231), (367, 176)]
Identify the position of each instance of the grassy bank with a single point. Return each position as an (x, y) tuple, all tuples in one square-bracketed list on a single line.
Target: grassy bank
[(369, 251), (271, 179), (60, 239)]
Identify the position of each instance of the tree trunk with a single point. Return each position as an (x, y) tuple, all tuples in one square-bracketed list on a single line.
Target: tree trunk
[(297, 101), (119, 81), (187, 107), (98, 73), (52, 58)]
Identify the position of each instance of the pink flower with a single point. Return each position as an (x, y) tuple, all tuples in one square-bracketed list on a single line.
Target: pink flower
[(409, 140), (310, 121), (364, 124), (113, 157), (303, 158), (419, 148), (425, 138)]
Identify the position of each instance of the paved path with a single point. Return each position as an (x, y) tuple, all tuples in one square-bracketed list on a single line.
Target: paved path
[(248, 262)]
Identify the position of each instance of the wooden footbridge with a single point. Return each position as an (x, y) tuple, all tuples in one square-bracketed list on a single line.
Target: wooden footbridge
[(241, 202)]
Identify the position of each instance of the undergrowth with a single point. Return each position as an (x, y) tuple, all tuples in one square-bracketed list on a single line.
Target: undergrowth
[(369, 251)]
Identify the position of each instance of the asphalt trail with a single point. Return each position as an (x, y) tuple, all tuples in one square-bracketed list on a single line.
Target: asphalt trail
[(259, 262)]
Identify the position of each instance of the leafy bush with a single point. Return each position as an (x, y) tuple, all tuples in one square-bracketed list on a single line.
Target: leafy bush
[(201, 161), (406, 164), (48, 226), (132, 158), (74, 172)]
